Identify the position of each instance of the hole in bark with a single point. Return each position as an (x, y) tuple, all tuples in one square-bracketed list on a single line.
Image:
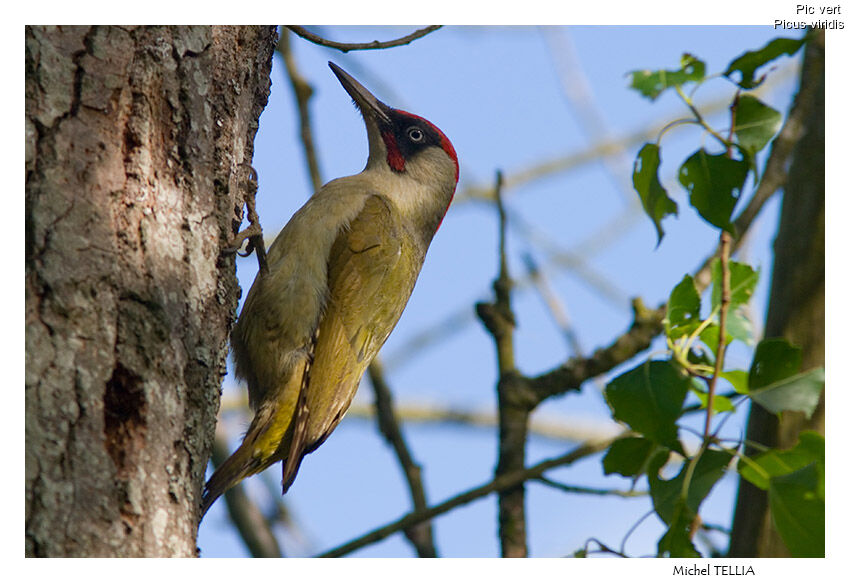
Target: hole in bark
[(124, 414)]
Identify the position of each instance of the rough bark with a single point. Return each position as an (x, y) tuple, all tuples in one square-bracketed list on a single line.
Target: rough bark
[(796, 308), (138, 146)]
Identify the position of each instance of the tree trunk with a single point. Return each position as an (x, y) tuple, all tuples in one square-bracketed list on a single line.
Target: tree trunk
[(796, 310), (138, 146)]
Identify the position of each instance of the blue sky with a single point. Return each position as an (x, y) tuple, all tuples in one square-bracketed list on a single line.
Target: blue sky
[(498, 94)]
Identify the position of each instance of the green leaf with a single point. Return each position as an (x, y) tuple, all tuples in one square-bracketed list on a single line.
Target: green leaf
[(742, 283), (797, 393), (738, 379), (755, 123), (651, 84), (774, 383), (676, 542), (666, 494), (798, 509), (774, 359), (710, 336), (683, 309), (775, 462), (721, 403), (738, 326), (714, 183), (649, 399), (628, 456), (749, 63), (653, 196)]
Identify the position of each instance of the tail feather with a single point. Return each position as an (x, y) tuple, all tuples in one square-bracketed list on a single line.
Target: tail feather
[(234, 469), (269, 437)]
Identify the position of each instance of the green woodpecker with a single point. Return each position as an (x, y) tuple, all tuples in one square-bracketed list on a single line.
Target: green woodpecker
[(340, 274)]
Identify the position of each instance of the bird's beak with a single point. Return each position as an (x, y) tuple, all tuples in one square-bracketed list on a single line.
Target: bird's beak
[(369, 105)]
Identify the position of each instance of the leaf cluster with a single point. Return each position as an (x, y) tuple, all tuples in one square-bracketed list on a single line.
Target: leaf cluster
[(651, 398), (714, 181)]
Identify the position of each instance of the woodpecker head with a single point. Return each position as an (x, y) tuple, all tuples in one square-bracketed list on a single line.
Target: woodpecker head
[(404, 144)]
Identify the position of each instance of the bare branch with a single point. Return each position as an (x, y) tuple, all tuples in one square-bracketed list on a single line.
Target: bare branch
[(577, 90), (345, 47), (601, 149), (576, 259), (556, 307), (593, 491), (773, 177), (573, 428), (571, 375), (420, 535), (514, 406), (725, 300), (303, 92), (499, 484)]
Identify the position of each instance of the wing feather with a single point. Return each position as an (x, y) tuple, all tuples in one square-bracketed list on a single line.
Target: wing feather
[(373, 268)]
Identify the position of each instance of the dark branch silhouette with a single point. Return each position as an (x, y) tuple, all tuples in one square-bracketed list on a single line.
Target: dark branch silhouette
[(345, 47)]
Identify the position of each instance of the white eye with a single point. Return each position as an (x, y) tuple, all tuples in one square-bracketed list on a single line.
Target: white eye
[(415, 134)]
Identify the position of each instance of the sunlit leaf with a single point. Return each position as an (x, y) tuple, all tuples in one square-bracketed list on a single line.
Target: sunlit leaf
[(683, 308), (755, 123), (721, 403), (738, 326), (738, 379), (796, 393), (742, 283), (777, 462), (774, 382), (652, 83)]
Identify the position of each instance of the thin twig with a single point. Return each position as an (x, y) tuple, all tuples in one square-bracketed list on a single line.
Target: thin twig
[(603, 548), (633, 528), (646, 325), (592, 154), (577, 261), (772, 178), (303, 92), (725, 300), (345, 47), (594, 491), (725, 244), (578, 92), (556, 307), (498, 484), (420, 535), (572, 428)]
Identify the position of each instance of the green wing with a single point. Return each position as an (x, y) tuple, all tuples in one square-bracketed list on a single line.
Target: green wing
[(372, 269)]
